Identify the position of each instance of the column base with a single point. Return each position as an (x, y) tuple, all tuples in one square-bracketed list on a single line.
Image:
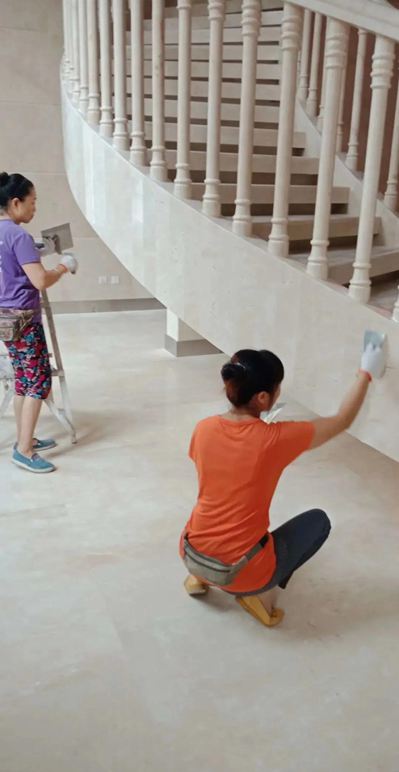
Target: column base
[(189, 348), (182, 341)]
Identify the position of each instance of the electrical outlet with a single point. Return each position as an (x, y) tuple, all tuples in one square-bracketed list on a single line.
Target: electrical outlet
[(102, 279), (115, 279)]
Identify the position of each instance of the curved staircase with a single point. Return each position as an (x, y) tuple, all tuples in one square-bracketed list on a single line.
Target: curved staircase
[(216, 281)]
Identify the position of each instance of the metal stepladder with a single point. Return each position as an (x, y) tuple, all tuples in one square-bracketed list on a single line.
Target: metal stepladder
[(62, 414)]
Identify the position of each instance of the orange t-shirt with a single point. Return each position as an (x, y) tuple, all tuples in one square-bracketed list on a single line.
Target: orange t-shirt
[(239, 465)]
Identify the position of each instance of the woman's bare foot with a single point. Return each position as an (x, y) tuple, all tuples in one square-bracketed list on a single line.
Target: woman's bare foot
[(195, 586), (268, 599)]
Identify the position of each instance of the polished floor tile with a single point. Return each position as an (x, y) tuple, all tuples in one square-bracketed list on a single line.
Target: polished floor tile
[(107, 666)]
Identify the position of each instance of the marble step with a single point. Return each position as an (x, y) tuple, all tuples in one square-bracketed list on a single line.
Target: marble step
[(265, 92), (231, 34), (264, 71), (264, 194), (384, 260), (271, 12), (200, 53), (265, 138), (199, 111), (262, 164), (300, 228)]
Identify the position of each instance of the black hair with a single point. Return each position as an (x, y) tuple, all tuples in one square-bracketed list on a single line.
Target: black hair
[(250, 372), (13, 186)]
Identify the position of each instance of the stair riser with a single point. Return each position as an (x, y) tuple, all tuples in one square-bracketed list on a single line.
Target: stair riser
[(263, 138), (264, 72), (201, 36)]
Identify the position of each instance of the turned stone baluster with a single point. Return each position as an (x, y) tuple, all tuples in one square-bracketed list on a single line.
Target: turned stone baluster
[(381, 75), (120, 136), (251, 16), (391, 193), (353, 146), (67, 54), (84, 84), (336, 48), (340, 127), (211, 199), (138, 150), (182, 186), (93, 110), (395, 315), (290, 40), (75, 85), (106, 122), (303, 84), (311, 104), (159, 170)]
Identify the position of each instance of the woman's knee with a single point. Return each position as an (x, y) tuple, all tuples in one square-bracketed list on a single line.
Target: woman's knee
[(321, 522)]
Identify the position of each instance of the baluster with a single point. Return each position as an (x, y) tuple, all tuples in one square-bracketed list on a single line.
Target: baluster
[(381, 75), (251, 16), (290, 41), (391, 193), (304, 67), (120, 137), (75, 86), (182, 186), (106, 122), (395, 314), (211, 199), (353, 147), (336, 47), (158, 163), (93, 110), (320, 117), (138, 150), (311, 104), (84, 84), (67, 55), (340, 127)]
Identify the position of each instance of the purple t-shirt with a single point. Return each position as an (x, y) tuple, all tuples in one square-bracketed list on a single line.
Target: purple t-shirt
[(17, 248)]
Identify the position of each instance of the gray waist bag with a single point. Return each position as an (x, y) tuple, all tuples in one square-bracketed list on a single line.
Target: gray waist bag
[(213, 570)]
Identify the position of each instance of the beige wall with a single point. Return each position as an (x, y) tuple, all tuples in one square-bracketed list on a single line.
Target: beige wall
[(31, 143)]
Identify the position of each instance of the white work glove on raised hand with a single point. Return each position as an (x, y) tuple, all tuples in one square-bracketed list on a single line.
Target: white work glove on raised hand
[(70, 262), (373, 361)]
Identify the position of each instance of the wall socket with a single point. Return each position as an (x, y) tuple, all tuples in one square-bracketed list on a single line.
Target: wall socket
[(102, 279), (114, 279)]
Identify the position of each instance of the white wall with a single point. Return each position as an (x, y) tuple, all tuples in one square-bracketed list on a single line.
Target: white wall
[(31, 142)]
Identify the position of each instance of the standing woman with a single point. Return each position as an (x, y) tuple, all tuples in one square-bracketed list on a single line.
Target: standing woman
[(22, 277), (239, 460)]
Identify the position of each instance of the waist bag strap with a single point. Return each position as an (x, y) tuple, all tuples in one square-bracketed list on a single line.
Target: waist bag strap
[(215, 570)]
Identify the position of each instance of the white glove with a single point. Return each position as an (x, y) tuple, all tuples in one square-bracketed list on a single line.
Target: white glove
[(70, 262), (374, 361)]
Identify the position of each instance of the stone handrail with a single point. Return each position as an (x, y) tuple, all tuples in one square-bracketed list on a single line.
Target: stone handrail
[(376, 16)]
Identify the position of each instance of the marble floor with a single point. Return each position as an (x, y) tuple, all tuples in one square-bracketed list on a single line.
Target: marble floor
[(108, 666)]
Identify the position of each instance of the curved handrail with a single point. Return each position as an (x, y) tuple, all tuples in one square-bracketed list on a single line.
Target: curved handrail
[(376, 16)]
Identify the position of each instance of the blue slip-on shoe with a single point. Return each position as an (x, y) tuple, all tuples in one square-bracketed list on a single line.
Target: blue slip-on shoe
[(43, 444), (35, 464)]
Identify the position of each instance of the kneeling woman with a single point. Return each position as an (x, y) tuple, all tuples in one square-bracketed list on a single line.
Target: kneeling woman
[(239, 460)]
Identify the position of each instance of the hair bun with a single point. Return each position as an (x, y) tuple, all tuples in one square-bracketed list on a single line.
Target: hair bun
[(4, 179), (233, 370)]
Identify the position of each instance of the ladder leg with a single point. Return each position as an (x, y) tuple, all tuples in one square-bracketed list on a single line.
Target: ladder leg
[(8, 395), (61, 417)]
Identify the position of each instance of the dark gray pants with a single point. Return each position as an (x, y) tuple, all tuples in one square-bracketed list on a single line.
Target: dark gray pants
[(295, 542)]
